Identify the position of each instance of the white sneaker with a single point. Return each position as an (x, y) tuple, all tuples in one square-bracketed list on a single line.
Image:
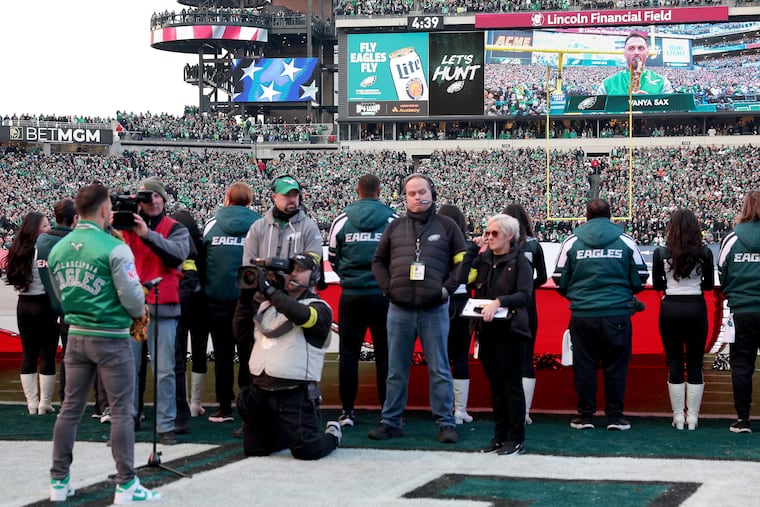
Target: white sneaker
[(132, 492), (333, 428), (60, 489), (106, 417)]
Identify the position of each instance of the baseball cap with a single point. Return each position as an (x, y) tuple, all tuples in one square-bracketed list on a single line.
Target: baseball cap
[(285, 184), (306, 260)]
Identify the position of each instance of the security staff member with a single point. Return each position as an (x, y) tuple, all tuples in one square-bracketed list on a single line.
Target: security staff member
[(292, 332), (599, 269), (222, 253), (354, 236), (417, 265)]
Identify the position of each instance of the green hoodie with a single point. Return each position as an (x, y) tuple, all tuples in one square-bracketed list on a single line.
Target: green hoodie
[(599, 269), (739, 268), (353, 239)]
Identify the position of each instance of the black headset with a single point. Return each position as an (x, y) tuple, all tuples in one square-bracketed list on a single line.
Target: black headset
[(316, 275), (433, 191)]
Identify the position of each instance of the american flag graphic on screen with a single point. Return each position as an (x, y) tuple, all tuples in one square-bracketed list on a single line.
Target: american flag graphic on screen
[(276, 80)]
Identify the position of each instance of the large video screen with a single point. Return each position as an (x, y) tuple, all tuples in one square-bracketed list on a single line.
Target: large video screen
[(579, 70), (276, 80), (415, 74)]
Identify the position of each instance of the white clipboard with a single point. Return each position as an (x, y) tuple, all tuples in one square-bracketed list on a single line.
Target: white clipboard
[(474, 307)]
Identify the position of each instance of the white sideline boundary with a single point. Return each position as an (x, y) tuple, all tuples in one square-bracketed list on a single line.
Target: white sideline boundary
[(366, 477)]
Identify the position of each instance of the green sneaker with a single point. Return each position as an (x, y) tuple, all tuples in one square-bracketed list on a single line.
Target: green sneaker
[(132, 492), (60, 489)]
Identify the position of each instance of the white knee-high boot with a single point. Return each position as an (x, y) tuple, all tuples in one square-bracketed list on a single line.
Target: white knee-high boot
[(529, 386), (197, 386), (47, 388), (461, 393), (693, 402), (677, 393), (29, 385)]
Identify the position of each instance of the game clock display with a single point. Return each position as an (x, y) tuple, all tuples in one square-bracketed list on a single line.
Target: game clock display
[(424, 23)]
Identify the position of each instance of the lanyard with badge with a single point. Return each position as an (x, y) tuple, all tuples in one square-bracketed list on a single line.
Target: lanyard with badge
[(417, 269)]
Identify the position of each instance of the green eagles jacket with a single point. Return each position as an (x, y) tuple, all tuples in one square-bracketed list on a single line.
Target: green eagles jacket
[(353, 239), (739, 268), (96, 280), (599, 269), (651, 83)]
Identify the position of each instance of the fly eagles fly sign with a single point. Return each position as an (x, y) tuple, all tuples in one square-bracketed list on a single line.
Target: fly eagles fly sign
[(415, 74)]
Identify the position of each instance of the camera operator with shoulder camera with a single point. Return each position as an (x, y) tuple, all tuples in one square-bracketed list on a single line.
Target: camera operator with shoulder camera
[(160, 245), (292, 331), (283, 231)]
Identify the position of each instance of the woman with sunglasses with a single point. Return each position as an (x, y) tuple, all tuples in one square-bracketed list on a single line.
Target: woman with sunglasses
[(502, 275)]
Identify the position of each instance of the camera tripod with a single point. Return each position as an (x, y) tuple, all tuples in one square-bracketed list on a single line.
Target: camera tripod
[(154, 459)]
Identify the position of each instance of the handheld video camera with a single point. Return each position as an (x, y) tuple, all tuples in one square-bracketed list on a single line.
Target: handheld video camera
[(124, 206), (273, 268)]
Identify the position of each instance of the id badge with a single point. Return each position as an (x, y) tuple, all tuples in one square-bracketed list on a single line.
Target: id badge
[(417, 271)]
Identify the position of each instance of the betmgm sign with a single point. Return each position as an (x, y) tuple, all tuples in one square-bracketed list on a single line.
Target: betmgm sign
[(56, 135)]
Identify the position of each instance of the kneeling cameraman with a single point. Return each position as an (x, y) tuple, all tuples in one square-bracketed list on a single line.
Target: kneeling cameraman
[(291, 334)]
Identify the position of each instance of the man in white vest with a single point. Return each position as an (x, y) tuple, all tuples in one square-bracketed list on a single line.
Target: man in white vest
[(291, 334)]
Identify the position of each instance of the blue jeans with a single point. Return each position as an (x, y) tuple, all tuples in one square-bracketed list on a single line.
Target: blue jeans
[(432, 326), (111, 358), (165, 404)]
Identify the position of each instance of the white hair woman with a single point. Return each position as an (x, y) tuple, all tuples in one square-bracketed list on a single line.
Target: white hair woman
[(503, 276)]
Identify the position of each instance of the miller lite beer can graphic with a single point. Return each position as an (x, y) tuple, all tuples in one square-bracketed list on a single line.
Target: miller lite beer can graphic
[(408, 75)]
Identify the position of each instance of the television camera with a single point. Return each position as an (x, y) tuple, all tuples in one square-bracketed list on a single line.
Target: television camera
[(124, 207), (273, 268)]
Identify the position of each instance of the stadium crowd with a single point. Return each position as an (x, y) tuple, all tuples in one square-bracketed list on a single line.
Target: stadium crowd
[(453, 7), (522, 89), (217, 127), (709, 180)]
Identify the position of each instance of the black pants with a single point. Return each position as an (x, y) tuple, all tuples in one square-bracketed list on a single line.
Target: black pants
[(529, 369), (743, 358), (683, 328), (460, 338), (275, 420), (38, 328), (501, 355), (356, 314), (220, 314), (605, 342), (194, 322)]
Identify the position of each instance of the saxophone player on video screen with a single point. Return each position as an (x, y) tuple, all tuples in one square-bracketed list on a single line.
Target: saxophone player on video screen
[(635, 79)]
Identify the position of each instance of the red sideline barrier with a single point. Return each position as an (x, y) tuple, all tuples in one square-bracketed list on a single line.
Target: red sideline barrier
[(553, 313), (554, 316), (10, 342)]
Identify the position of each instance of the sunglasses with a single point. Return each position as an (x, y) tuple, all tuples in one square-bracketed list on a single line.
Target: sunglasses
[(493, 234)]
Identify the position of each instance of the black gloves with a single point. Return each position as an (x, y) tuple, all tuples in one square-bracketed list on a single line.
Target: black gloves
[(265, 286)]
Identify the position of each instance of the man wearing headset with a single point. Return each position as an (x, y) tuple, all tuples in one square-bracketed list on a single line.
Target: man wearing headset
[(283, 231), (416, 266), (292, 331)]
